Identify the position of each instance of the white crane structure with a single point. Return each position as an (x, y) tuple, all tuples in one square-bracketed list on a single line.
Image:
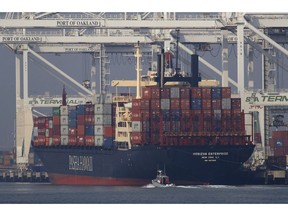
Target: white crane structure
[(30, 34)]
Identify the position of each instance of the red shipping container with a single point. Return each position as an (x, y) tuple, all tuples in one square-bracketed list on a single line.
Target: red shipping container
[(89, 120), (41, 120), (136, 103), (155, 104), (165, 93), (136, 116), (89, 109), (56, 130), (80, 130), (35, 141), (185, 93), (236, 103), (80, 140), (72, 140), (155, 92), (279, 151), (89, 140), (145, 104), (174, 103), (47, 141), (280, 134), (35, 121), (41, 131), (196, 92), (206, 92), (157, 139), (185, 114), (206, 104), (80, 119), (226, 92), (73, 131), (156, 115), (146, 92), (41, 140), (145, 115), (185, 104), (216, 104), (56, 140), (136, 138), (108, 131)]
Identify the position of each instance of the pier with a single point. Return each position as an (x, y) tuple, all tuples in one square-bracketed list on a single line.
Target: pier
[(23, 176)]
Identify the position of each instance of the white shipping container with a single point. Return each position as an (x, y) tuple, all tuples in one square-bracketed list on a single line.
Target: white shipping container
[(50, 141), (99, 140), (103, 109), (64, 120), (35, 131), (226, 103), (136, 126), (98, 119), (99, 99), (108, 98), (165, 104), (64, 140), (107, 109), (50, 124), (99, 130), (98, 109), (174, 92), (64, 130), (64, 110), (107, 119), (47, 132)]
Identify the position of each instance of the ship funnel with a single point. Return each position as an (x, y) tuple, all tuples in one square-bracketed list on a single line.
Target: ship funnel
[(64, 94), (195, 70)]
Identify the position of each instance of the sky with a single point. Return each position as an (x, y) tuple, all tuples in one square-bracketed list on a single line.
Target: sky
[(76, 65)]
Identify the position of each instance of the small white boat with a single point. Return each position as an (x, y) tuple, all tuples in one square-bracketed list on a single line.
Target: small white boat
[(162, 180)]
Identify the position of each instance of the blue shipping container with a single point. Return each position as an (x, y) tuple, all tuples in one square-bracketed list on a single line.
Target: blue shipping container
[(89, 130), (216, 92), (72, 123), (175, 115), (81, 109), (166, 115), (196, 104)]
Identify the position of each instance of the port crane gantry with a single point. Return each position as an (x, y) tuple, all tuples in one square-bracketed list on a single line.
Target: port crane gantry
[(102, 33)]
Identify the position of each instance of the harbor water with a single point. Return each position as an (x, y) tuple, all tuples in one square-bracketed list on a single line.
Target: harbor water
[(46, 193)]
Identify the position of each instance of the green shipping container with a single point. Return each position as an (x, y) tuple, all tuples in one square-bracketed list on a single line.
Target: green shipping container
[(56, 111)]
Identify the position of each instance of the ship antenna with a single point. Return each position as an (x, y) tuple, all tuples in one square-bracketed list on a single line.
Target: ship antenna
[(64, 94)]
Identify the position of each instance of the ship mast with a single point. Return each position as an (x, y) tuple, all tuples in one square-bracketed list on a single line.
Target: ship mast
[(138, 71)]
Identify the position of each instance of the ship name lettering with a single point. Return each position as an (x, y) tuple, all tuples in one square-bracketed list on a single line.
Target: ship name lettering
[(82, 163), (218, 153)]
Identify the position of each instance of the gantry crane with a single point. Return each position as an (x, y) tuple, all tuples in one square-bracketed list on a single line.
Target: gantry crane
[(101, 33)]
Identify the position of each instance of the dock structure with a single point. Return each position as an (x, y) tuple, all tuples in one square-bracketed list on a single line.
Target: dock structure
[(23, 176)]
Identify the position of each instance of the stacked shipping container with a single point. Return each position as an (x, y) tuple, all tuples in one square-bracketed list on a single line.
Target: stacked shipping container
[(164, 114), (87, 124)]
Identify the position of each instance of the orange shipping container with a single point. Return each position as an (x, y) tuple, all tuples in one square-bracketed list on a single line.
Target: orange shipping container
[(56, 140), (56, 120), (80, 130), (89, 140), (80, 119), (108, 131)]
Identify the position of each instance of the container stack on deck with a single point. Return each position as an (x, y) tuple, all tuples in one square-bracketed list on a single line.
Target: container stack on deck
[(81, 125), (187, 115)]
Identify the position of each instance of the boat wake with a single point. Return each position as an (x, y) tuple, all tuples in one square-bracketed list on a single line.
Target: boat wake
[(149, 186)]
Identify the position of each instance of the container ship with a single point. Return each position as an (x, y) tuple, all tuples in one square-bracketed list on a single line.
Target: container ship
[(195, 133)]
